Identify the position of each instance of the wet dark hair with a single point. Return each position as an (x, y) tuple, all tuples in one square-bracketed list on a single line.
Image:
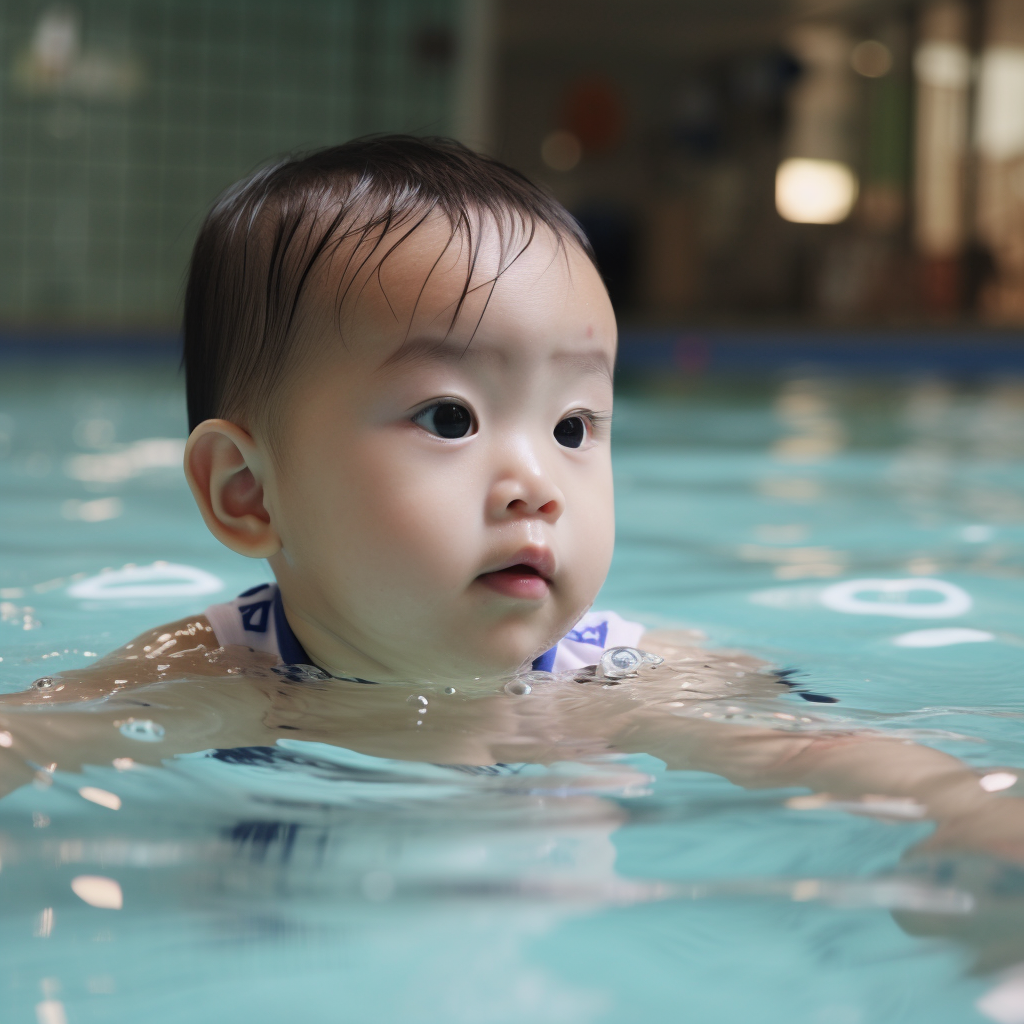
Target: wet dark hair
[(267, 236)]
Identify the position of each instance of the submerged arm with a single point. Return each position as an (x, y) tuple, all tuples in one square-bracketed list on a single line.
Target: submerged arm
[(142, 680), (845, 767)]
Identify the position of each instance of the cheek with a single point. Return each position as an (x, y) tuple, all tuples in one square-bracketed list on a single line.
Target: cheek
[(389, 511), (592, 521)]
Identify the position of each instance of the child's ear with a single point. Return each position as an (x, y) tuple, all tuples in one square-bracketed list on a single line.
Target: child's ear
[(225, 471)]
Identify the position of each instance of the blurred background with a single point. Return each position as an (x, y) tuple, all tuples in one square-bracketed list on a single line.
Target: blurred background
[(849, 170)]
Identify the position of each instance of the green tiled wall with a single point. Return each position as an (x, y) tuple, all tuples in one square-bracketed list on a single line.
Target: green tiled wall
[(102, 187)]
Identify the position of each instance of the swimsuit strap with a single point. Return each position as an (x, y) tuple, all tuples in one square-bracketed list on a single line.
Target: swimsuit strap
[(292, 652), (256, 619)]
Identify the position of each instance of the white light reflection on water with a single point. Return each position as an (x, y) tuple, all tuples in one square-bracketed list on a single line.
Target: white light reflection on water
[(1004, 1003), (166, 580), (99, 796), (946, 637), (556, 898), (846, 597), (98, 891)]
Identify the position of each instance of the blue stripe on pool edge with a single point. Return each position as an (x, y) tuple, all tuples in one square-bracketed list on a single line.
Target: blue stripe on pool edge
[(690, 352), (695, 352), (49, 347)]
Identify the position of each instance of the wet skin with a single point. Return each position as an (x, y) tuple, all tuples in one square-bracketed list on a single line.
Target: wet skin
[(428, 559), (434, 498), (206, 696)]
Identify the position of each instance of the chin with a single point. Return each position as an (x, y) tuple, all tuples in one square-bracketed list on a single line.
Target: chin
[(513, 646)]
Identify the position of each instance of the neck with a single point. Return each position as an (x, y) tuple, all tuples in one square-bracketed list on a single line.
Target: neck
[(329, 650)]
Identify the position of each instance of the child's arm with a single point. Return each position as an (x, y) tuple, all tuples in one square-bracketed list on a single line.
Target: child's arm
[(183, 716), (845, 766), (33, 739), (187, 647)]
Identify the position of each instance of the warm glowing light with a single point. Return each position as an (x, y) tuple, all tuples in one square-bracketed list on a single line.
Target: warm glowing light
[(814, 191), (943, 65), (98, 891), (871, 59), (1000, 121), (561, 150), (102, 797), (6, 739)]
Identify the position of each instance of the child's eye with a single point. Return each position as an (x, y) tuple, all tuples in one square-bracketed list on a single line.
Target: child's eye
[(446, 419), (571, 432)]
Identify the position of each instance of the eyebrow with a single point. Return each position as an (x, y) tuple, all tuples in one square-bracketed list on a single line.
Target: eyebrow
[(445, 350), (594, 362)]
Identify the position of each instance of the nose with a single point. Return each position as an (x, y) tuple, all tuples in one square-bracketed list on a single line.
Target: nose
[(525, 489)]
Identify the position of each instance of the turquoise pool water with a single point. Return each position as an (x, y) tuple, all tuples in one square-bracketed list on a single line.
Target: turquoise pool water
[(868, 534)]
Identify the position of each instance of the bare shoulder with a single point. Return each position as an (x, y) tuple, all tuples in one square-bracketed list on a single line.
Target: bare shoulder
[(688, 644), (708, 671), (187, 647), (668, 643), (172, 640)]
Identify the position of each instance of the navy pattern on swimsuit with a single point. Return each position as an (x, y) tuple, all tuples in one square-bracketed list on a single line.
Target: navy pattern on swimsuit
[(256, 619)]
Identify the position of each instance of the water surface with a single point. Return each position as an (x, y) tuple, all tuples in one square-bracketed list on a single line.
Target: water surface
[(320, 885)]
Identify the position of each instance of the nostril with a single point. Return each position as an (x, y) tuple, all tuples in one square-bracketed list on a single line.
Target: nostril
[(520, 506)]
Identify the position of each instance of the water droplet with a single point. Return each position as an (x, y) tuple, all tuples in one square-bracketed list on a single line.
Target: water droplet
[(536, 678), (620, 662), (417, 699), (142, 729), (449, 690), (518, 688), (43, 684)]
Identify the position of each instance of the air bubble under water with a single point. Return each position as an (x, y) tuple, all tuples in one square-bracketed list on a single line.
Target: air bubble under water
[(142, 729)]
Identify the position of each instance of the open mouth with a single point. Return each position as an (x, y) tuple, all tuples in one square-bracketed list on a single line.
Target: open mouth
[(519, 580), (519, 569)]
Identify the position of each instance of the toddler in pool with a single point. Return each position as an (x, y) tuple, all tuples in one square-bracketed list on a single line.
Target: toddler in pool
[(399, 362)]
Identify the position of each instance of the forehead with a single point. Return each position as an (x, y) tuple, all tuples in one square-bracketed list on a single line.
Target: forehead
[(482, 293)]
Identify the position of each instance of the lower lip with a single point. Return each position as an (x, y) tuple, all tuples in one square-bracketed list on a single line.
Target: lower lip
[(510, 583)]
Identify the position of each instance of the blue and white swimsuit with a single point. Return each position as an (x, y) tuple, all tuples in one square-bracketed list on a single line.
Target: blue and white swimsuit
[(256, 619)]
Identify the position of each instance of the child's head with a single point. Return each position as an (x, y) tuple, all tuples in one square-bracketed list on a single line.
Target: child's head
[(399, 360)]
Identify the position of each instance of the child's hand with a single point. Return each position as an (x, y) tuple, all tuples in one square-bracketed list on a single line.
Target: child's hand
[(995, 829)]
